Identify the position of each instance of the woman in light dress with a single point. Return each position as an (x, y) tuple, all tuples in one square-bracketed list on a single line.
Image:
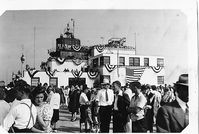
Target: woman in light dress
[(44, 111)]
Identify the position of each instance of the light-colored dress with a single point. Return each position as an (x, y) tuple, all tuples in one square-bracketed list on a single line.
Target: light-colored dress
[(46, 112)]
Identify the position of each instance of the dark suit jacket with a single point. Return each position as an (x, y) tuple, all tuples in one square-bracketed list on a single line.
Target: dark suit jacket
[(170, 118)]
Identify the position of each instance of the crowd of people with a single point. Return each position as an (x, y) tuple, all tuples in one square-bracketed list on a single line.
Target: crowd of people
[(134, 107)]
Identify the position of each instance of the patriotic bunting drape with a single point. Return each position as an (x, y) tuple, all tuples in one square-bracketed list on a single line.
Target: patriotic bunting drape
[(92, 74), (76, 47), (156, 69), (32, 73), (76, 73), (109, 67), (134, 74), (100, 48), (77, 61), (50, 74)]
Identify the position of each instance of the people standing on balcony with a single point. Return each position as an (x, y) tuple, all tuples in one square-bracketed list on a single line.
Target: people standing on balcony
[(104, 99)]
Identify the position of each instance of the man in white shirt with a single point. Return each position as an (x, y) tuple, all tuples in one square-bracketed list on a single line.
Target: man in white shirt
[(23, 115), (105, 98), (5, 107), (136, 108)]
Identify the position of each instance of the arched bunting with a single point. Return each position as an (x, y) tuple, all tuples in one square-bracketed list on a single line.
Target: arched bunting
[(156, 69), (50, 74), (77, 61), (76, 47), (92, 74), (76, 73), (109, 67), (32, 73), (100, 48)]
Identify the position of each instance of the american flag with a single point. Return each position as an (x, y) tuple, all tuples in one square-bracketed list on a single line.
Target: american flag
[(134, 74)]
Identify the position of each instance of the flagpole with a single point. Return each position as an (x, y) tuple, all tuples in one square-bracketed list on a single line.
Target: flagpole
[(118, 60), (135, 43)]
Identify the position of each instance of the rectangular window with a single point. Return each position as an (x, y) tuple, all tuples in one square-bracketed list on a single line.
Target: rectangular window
[(146, 61), (136, 61), (104, 60), (95, 62), (130, 61), (102, 77), (160, 62), (35, 81), (122, 61), (160, 80), (53, 81)]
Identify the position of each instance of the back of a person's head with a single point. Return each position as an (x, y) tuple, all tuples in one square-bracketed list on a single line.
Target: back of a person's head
[(2, 93), (153, 87), (135, 84)]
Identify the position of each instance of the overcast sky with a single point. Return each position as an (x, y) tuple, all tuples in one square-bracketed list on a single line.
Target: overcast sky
[(159, 32)]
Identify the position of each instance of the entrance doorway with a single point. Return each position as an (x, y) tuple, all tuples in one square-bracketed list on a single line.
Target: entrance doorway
[(77, 81)]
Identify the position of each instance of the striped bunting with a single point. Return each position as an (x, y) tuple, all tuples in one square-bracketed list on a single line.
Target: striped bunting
[(134, 74), (156, 69), (109, 67), (77, 61), (92, 74), (76, 73), (100, 48), (32, 73), (76, 47)]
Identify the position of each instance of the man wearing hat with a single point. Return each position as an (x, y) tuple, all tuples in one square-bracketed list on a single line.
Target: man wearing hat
[(23, 116), (174, 117), (104, 99)]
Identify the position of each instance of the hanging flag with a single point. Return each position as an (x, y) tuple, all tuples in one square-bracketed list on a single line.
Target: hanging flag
[(76, 73), (134, 74), (109, 67), (49, 73), (100, 48), (76, 47), (156, 69), (92, 74)]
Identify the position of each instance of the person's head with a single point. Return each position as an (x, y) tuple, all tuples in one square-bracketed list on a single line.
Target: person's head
[(135, 87), (85, 88), (38, 96), (45, 85), (116, 86), (181, 88), (144, 89), (2, 93), (23, 89), (153, 87), (105, 84)]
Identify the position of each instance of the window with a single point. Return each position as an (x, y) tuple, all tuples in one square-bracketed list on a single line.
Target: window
[(53, 81), (134, 61), (35, 81), (121, 61), (160, 80), (146, 61), (102, 77), (104, 60), (95, 62), (160, 62)]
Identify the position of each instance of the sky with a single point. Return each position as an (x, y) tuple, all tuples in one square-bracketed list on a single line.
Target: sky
[(158, 33)]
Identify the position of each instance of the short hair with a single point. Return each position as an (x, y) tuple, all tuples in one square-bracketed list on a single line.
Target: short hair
[(135, 84), (2, 93), (117, 83), (153, 87)]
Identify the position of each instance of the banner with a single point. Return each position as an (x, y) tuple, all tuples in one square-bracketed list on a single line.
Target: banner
[(100, 48), (76, 47), (76, 73), (134, 74), (50, 74), (77, 61), (32, 73), (92, 74), (110, 68), (156, 69)]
